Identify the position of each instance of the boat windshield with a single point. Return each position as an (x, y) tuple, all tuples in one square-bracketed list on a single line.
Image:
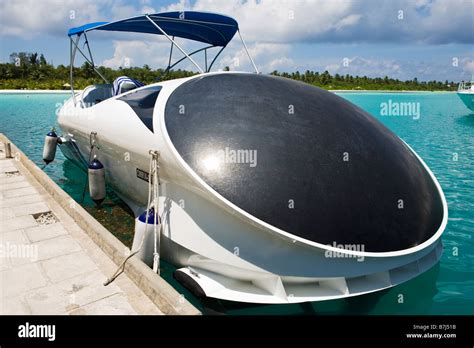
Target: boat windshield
[(466, 86)]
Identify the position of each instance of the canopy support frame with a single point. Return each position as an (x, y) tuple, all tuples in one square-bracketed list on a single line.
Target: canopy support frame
[(171, 54), (90, 61), (72, 52), (246, 50), (88, 48), (192, 53), (74, 47), (174, 42), (217, 55)]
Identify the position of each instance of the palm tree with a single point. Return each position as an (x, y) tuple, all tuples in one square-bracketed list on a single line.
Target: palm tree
[(33, 59)]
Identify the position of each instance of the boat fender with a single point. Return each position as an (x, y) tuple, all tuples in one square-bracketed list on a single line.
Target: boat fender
[(49, 149), (189, 283), (96, 175), (144, 239)]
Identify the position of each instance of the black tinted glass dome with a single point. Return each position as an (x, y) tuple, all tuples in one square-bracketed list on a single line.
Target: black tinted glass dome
[(304, 160)]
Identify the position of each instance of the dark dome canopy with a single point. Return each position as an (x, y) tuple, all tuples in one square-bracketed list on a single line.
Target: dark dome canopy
[(304, 160)]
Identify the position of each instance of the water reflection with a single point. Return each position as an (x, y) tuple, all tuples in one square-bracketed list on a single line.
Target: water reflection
[(113, 213), (467, 119)]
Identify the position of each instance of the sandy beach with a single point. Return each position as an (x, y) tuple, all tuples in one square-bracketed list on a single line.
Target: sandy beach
[(38, 91)]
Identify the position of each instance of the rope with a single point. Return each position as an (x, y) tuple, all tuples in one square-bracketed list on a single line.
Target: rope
[(155, 180), (153, 196), (92, 145)]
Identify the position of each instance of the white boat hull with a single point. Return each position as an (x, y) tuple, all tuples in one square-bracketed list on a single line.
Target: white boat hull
[(220, 250), (468, 99)]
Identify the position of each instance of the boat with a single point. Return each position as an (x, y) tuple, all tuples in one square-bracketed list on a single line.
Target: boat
[(466, 93), (259, 189)]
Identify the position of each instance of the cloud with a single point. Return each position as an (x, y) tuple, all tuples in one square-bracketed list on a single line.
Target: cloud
[(348, 21), (121, 11), (138, 53), (30, 18), (402, 69), (469, 66), (267, 56), (285, 21), (431, 22), (276, 21), (366, 66), (275, 31)]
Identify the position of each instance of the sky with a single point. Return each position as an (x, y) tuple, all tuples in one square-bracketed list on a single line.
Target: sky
[(403, 39)]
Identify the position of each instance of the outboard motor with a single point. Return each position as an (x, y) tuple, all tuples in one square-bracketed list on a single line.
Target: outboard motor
[(96, 181), (145, 232), (50, 144)]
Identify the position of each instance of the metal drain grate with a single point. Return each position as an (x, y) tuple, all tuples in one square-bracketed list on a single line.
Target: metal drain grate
[(14, 173), (46, 218)]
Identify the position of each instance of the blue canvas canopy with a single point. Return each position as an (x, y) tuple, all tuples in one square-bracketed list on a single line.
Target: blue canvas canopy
[(214, 29)]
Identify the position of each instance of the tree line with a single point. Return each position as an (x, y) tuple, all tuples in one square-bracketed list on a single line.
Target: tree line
[(32, 71), (328, 81)]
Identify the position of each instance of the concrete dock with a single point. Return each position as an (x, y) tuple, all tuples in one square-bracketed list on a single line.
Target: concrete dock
[(54, 259)]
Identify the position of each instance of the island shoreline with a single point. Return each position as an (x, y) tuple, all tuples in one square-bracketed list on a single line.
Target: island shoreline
[(65, 91)]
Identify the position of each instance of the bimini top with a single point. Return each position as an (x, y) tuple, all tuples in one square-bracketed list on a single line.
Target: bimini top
[(210, 28)]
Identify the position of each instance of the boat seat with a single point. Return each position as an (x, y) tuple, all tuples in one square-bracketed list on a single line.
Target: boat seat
[(95, 94), (124, 84)]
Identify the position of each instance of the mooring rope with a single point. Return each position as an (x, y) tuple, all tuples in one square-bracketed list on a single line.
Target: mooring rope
[(92, 140), (153, 200), (155, 184)]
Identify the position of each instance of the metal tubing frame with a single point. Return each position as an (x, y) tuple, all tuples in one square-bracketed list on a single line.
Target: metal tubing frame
[(90, 63), (194, 52), (71, 82), (217, 55), (246, 50), (174, 42), (73, 48), (171, 54), (72, 52), (89, 49)]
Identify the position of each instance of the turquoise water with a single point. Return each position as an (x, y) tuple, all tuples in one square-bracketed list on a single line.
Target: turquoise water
[(443, 136)]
